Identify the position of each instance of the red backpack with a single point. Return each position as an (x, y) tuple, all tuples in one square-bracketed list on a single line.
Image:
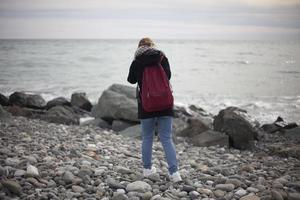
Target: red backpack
[(156, 93)]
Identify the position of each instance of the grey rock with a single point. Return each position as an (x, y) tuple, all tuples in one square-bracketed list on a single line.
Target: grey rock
[(293, 134), (138, 186), (59, 101), (237, 183), (114, 184), (194, 194), (96, 122), (78, 189), (12, 162), (293, 196), (123, 170), (68, 177), (225, 187), (276, 195), (80, 100), (3, 100), (35, 101), (119, 196), (188, 188), (240, 192), (61, 115), (233, 121), (194, 128), (4, 115), (219, 193), (211, 138), (117, 102), (32, 171), (132, 132), (119, 125), (19, 173), (18, 98)]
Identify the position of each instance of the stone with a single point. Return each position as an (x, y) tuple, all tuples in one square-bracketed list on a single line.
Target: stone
[(234, 122), (138, 186), (119, 196), (250, 197), (19, 173), (68, 177), (205, 191), (18, 98), (80, 100), (13, 186), (225, 187), (240, 192), (96, 122), (219, 193), (78, 189), (154, 177), (252, 189), (123, 170), (119, 125), (32, 171), (210, 138), (194, 195), (293, 196), (195, 127), (188, 188), (117, 102), (12, 162), (114, 184), (237, 183), (3, 100), (61, 115), (276, 195), (59, 101), (132, 132), (35, 101)]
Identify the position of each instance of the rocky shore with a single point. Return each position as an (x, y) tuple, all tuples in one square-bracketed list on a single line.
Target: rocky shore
[(48, 152)]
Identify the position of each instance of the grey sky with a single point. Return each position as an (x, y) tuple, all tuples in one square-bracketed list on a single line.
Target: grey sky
[(194, 19)]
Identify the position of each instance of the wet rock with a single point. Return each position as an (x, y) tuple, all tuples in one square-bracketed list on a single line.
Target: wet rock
[(35, 101), (194, 194), (123, 170), (233, 121), (293, 134), (250, 197), (114, 184), (119, 196), (80, 100), (117, 102), (4, 115), (60, 101), (12, 186), (210, 138), (138, 186)]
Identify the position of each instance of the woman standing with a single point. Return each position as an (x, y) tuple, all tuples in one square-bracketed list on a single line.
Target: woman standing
[(147, 55)]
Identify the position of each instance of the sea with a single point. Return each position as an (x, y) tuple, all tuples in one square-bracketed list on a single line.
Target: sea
[(262, 77)]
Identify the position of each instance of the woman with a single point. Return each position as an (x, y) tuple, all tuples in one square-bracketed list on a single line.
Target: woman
[(147, 55)]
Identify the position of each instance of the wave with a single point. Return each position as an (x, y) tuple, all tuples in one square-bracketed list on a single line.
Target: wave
[(289, 72)]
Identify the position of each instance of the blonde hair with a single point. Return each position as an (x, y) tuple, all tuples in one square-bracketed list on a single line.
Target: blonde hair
[(146, 42)]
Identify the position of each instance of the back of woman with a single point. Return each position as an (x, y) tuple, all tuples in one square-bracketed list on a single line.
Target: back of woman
[(147, 55)]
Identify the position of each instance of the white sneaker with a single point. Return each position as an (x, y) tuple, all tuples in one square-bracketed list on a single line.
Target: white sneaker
[(148, 172), (175, 177)]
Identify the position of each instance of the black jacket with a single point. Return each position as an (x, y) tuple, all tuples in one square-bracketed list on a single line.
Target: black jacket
[(136, 74)]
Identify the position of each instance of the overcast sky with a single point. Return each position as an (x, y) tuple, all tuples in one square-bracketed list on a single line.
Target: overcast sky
[(184, 19)]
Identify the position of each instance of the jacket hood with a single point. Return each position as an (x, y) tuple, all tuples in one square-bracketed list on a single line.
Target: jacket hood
[(148, 55)]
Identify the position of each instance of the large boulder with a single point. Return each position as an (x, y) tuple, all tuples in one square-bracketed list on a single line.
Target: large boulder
[(210, 138), (18, 99), (4, 100), (61, 115), (60, 101), (117, 102), (35, 101), (27, 100), (80, 100), (234, 122), (195, 127)]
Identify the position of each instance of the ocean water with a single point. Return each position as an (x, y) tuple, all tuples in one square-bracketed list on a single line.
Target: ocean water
[(262, 77)]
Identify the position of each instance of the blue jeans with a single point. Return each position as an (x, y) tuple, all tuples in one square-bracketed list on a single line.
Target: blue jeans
[(164, 125)]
